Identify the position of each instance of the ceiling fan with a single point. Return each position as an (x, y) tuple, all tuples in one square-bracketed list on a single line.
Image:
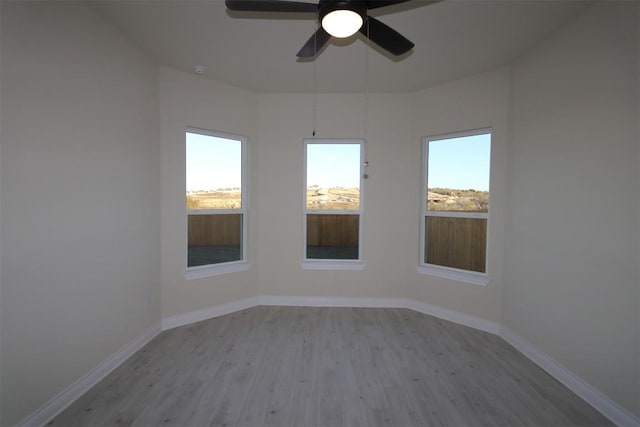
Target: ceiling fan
[(338, 18)]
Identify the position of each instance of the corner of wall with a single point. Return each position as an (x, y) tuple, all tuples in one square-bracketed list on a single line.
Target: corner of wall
[(638, 144), (1, 359), (79, 138), (573, 138)]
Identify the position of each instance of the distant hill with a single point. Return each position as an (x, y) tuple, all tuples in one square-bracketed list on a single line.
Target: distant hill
[(338, 198), (334, 198), (448, 199), (222, 198)]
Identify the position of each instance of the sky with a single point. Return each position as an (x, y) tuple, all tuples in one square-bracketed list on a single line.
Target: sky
[(460, 163), (213, 162), (333, 165)]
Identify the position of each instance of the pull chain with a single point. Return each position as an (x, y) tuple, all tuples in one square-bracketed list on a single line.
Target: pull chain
[(365, 163), (315, 81)]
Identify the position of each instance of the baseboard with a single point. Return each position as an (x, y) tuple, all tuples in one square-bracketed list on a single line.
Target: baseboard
[(429, 309), (65, 398), (208, 313), (588, 393), (332, 301), (454, 316)]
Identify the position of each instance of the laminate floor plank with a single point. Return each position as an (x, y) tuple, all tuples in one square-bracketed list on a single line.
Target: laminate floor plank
[(327, 393), (232, 384), (433, 398), (275, 337), (364, 364), (328, 367), (388, 360), (291, 388)]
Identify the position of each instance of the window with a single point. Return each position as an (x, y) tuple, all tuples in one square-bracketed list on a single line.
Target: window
[(333, 204), (455, 206), (216, 203)]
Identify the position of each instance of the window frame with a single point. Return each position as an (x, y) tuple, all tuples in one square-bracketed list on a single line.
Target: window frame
[(457, 274), (333, 264), (202, 271)]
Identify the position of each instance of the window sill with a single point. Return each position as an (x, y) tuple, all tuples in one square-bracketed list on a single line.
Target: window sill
[(215, 270), (332, 265), (471, 277)]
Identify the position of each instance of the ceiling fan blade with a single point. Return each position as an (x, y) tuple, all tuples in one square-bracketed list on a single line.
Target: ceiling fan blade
[(314, 44), (386, 37), (374, 4), (270, 6)]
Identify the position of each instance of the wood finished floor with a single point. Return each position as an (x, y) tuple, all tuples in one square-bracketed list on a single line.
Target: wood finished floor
[(303, 366)]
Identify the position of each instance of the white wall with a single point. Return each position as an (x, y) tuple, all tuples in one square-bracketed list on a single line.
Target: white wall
[(189, 100), (80, 192), (1, 411), (285, 121), (571, 270), (476, 102)]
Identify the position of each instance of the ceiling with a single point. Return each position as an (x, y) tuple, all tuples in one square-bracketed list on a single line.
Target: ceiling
[(453, 38)]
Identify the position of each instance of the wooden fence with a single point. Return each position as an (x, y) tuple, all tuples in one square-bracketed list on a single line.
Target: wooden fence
[(333, 230), (450, 242), (456, 242), (214, 230)]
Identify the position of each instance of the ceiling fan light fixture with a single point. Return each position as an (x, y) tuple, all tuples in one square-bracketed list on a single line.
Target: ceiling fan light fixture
[(342, 23), (336, 18)]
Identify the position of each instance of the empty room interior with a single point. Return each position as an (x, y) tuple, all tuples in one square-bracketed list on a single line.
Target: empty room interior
[(435, 220)]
